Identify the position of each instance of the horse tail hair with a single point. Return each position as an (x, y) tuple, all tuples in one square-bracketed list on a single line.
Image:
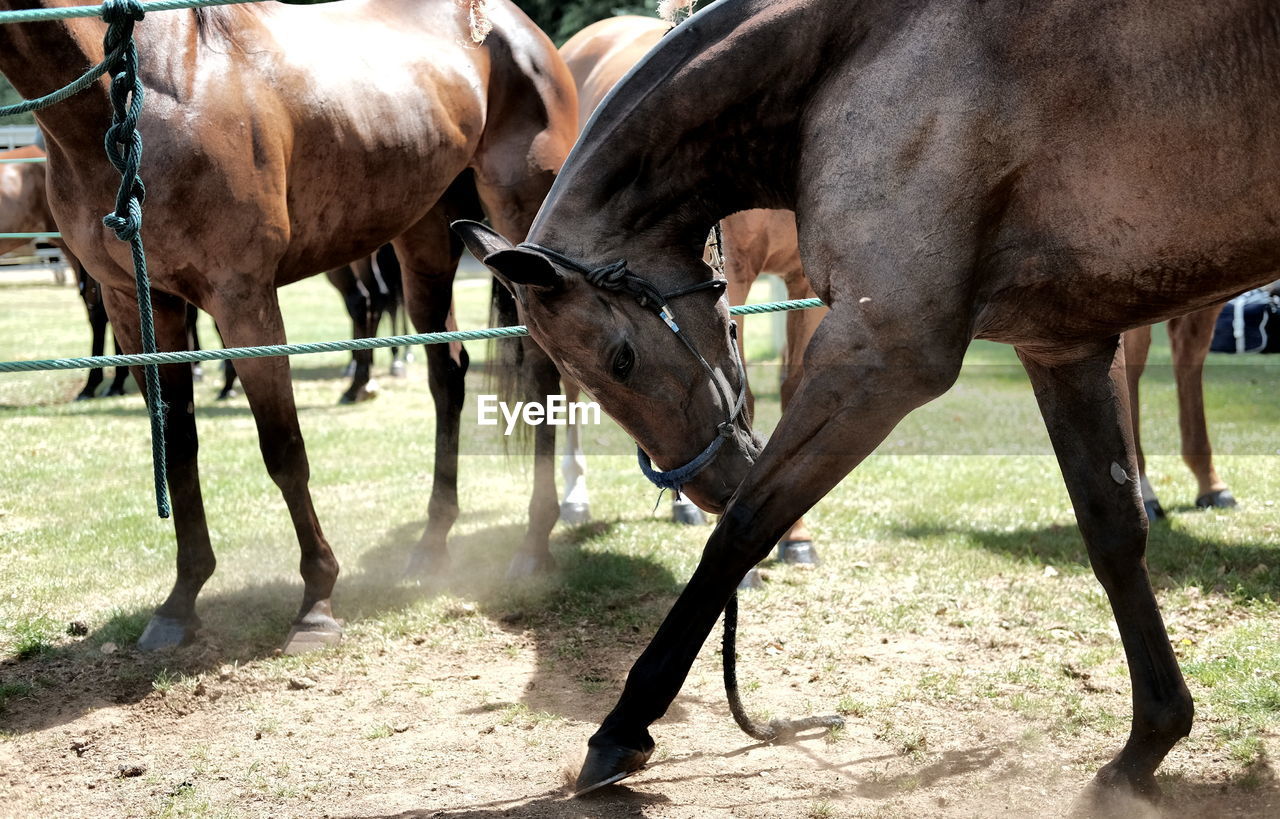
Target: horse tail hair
[(508, 375)]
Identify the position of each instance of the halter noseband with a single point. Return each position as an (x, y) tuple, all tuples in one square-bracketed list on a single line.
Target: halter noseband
[(618, 278)]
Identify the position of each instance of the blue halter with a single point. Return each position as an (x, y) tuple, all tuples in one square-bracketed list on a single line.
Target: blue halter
[(616, 277)]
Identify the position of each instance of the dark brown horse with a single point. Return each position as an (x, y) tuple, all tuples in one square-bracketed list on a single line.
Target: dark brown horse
[(264, 127), (370, 287), (756, 241), (1042, 175)]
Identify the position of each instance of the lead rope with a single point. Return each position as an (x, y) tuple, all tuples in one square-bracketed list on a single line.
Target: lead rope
[(124, 149), (777, 730)]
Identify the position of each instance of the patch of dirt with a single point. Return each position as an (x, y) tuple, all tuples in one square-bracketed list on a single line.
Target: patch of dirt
[(497, 727)]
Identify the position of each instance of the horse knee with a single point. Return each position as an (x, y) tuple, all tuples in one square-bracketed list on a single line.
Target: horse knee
[(285, 461), (737, 541)]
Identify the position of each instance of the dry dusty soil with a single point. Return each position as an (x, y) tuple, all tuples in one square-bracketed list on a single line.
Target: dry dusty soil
[(491, 721)]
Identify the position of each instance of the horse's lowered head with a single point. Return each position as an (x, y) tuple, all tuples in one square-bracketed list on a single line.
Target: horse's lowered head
[(651, 339)]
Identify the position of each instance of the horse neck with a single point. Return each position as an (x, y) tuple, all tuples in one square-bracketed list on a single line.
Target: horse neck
[(729, 89)]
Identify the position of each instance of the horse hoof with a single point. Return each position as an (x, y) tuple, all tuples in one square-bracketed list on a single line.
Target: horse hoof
[(797, 553), (1112, 793), (523, 564), (1221, 499), (426, 565), (1154, 510), (312, 633), (115, 393), (366, 393), (85, 396), (227, 394), (684, 512), (397, 369), (752, 580), (606, 765), (166, 632), (575, 514)]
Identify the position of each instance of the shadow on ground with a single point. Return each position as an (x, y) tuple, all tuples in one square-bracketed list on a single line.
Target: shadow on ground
[(1175, 558), (622, 596)]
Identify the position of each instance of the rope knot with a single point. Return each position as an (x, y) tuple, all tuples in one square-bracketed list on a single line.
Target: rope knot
[(126, 227), (618, 278), (121, 11), (610, 277)]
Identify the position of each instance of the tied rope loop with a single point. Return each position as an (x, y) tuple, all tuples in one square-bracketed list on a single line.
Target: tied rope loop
[(618, 278), (123, 142), (123, 145)]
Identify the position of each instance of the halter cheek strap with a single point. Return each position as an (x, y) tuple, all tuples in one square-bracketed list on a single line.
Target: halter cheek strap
[(618, 278)]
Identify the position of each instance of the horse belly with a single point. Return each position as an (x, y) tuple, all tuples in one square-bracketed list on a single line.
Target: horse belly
[(1128, 233)]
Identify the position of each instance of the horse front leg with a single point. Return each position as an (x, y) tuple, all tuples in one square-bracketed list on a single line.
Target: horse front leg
[(251, 321), (175, 622), (1085, 406), (858, 385), (1190, 337)]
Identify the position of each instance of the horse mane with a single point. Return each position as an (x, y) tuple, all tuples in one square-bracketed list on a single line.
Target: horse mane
[(221, 21)]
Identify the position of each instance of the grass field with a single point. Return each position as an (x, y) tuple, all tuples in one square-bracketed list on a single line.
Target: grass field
[(954, 602)]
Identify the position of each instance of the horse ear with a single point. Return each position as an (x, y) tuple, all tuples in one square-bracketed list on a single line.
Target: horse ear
[(511, 264), (479, 239), (524, 267)]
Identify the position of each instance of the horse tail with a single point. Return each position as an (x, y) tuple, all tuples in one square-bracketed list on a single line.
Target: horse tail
[(508, 375)]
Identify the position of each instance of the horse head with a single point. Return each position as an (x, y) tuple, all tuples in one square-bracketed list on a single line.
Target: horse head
[(651, 339)]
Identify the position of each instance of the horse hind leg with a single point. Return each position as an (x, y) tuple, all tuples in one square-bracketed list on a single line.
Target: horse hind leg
[(429, 255), (98, 324), (175, 621), (511, 195), (193, 341), (1084, 404), (252, 321), (1137, 345), (1190, 337), (121, 374), (351, 283), (796, 546)]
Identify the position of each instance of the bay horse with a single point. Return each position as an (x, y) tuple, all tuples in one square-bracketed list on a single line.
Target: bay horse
[(753, 242), (264, 127), (1047, 176)]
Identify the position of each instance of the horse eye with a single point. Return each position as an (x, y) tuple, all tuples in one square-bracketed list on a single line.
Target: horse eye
[(623, 361)]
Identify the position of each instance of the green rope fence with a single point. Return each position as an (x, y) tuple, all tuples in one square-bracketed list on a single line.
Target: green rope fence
[(312, 348)]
